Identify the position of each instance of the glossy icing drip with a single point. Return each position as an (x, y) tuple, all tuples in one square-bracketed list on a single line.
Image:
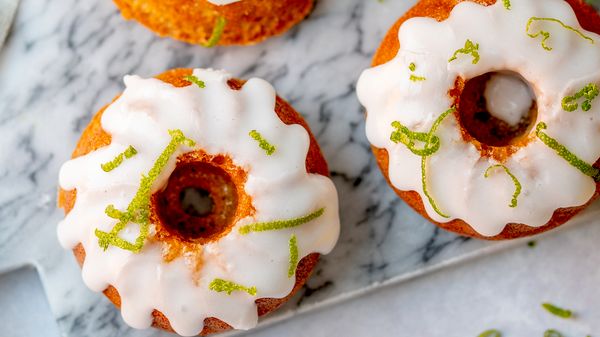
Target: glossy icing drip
[(503, 42), (222, 2), (218, 119)]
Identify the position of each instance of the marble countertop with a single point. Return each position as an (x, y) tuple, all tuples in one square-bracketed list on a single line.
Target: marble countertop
[(392, 273)]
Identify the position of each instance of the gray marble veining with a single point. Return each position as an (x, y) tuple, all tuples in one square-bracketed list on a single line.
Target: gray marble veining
[(65, 59)]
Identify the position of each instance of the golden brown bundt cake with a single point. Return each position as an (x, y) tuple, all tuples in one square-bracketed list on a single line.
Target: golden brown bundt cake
[(497, 149), (194, 21), (183, 236)]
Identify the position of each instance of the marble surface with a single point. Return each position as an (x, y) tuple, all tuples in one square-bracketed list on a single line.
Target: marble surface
[(65, 59)]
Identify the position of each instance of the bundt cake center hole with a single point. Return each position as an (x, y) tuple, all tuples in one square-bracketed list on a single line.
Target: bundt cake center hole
[(497, 108), (199, 203), (196, 202)]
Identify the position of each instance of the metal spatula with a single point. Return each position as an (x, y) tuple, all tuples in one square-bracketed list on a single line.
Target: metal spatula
[(7, 14)]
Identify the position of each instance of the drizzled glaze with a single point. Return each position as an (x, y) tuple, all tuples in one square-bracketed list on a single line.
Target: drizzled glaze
[(456, 173), (219, 120), (222, 2)]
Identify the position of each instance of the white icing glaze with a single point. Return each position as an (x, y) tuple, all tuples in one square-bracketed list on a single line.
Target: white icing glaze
[(219, 120), (508, 98), (456, 172), (222, 2)]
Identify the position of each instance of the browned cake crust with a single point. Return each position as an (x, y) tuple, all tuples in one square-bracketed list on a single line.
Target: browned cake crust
[(94, 137), (248, 21), (440, 10)]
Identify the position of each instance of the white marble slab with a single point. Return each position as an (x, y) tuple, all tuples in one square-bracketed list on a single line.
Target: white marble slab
[(25, 311), (65, 59)]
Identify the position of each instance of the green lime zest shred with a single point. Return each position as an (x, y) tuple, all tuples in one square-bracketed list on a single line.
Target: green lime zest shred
[(281, 224), (414, 78), (552, 333), (118, 160), (138, 210), (408, 138), (293, 255), (490, 333), (262, 143), (114, 213), (195, 80), (567, 155), (507, 4), (532, 244), (220, 285), (431, 144), (470, 48), (589, 92), (216, 33), (515, 196), (546, 35), (430, 136), (557, 311)]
